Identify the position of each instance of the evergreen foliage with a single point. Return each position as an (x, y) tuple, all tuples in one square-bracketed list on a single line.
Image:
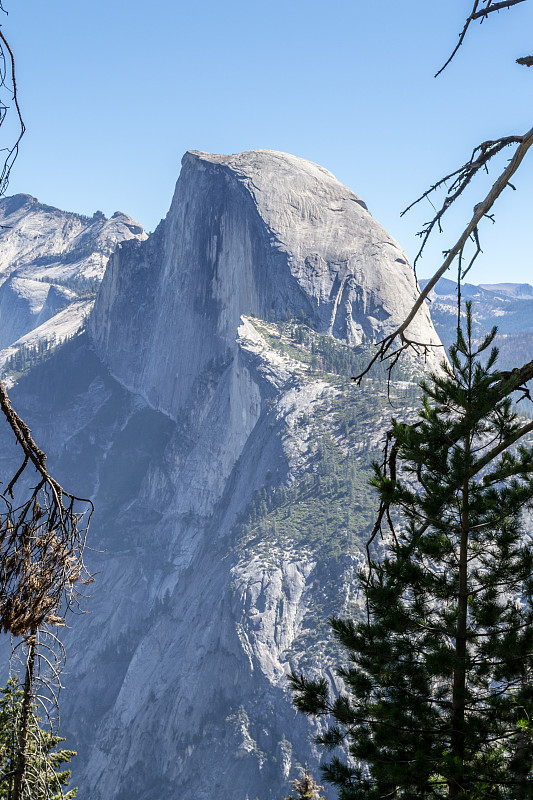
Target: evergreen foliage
[(326, 509), (28, 356), (330, 506), (438, 698), (83, 287), (321, 352), (44, 775)]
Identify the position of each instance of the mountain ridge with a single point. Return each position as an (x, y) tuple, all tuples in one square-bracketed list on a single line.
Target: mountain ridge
[(507, 306), (48, 259), (208, 411), (249, 248)]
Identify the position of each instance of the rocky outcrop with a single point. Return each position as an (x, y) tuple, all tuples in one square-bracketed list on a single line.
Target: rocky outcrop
[(210, 416), (39, 241), (21, 302), (48, 258), (260, 233)]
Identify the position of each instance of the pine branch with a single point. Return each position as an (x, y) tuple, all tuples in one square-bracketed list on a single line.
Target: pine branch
[(496, 451)]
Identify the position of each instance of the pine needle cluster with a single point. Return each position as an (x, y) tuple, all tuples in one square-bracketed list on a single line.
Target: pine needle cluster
[(45, 778)]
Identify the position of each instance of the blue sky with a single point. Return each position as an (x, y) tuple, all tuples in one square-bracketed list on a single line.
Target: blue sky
[(113, 93)]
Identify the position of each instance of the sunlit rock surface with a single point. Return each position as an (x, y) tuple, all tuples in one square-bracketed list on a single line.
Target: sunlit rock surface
[(261, 233), (50, 259), (209, 413)]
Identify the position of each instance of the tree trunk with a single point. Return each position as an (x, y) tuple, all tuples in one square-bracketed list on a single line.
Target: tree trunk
[(459, 674), (23, 728)]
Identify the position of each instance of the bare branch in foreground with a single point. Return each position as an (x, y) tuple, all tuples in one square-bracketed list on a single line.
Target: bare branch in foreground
[(481, 210), (484, 12), (12, 152), (481, 155), (42, 537), (475, 14)]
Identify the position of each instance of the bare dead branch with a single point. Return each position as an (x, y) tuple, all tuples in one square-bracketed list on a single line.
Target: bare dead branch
[(42, 538), (484, 12), (22, 433), (476, 14), (14, 149), (480, 210), (464, 272), (461, 38), (481, 155), (41, 658)]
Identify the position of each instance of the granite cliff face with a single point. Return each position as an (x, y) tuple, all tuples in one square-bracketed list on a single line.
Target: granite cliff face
[(208, 411), (260, 233)]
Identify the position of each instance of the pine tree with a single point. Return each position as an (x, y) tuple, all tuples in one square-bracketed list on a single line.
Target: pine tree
[(45, 777), (438, 698)]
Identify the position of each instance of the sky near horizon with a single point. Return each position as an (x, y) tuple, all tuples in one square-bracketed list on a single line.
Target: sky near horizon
[(113, 93)]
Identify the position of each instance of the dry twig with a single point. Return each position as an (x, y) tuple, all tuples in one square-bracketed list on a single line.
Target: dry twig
[(475, 14), (463, 176), (7, 73)]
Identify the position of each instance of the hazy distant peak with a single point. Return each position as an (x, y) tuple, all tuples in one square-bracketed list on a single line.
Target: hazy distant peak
[(41, 246), (516, 290), (486, 291)]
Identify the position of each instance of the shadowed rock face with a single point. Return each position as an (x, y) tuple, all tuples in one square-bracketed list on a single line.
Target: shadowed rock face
[(260, 233), (200, 428)]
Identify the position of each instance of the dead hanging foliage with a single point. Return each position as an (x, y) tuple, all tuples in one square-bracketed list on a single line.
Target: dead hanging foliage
[(42, 538), (306, 788), (43, 527)]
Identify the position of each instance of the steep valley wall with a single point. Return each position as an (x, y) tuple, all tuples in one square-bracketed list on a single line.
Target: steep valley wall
[(208, 411)]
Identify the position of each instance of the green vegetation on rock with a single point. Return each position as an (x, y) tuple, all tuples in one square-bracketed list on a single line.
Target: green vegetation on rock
[(45, 777)]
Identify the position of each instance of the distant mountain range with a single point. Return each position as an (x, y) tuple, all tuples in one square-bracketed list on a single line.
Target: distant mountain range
[(509, 306), (51, 265)]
